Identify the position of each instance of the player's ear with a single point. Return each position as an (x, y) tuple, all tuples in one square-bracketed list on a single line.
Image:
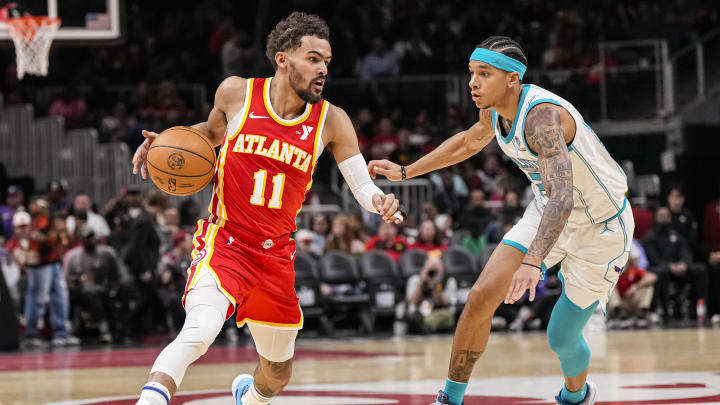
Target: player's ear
[(281, 59), (513, 78)]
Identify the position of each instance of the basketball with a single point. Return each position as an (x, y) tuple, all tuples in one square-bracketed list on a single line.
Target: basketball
[(181, 161)]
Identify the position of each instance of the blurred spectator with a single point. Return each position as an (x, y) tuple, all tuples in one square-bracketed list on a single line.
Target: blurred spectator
[(32, 250), (384, 141), (681, 283), (11, 273), (643, 220), (172, 270), (429, 239), (70, 106), (683, 221), (491, 174), (93, 275), (57, 197), (345, 236), (168, 223), (450, 192), (141, 254), (711, 236), (379, 62), (320, 231), (405, 152), (13, 201), (476, 241), (512, 210), (303, 241), (642, 260), (431, 298), (388, 240), (96, 222), (189, 214), (470, 176), (629, 304), (414, 53), (237, 56)]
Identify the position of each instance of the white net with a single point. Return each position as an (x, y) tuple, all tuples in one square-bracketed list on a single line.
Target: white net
[(32, 37)]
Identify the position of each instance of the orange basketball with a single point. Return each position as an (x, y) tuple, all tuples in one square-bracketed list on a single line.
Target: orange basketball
[(181, 161)]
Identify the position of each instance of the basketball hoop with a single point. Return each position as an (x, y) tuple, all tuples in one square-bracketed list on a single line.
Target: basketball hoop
[(32, 36)]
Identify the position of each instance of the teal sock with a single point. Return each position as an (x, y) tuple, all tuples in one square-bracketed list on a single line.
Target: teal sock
[(573, 397), (455, 391)]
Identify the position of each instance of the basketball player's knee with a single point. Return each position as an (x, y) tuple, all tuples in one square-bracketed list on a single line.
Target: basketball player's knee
[(479, 305), (563, 343), (202, 325)]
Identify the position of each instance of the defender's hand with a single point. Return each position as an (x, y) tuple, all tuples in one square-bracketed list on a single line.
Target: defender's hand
[(525, 278), (386, 205), (138, 160), (386, 168)]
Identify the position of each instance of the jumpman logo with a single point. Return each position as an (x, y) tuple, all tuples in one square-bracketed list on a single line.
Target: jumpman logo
[(252, 115), (619, 269)]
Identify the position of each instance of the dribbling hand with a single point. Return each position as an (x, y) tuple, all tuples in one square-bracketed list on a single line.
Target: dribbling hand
[(140, 156), (386, 168)]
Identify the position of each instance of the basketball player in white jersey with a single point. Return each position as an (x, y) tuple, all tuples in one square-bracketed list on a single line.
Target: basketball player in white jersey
[(579, 216)]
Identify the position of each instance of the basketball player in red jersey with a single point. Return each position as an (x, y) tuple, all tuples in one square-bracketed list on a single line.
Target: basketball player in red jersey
[(272, 132)]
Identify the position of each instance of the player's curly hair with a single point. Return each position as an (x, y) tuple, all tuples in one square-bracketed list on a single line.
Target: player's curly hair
[(288, 33), (505, 46)]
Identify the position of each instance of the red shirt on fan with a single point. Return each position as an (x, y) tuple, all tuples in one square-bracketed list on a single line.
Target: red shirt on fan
[(394, 248), (629, 277), (271, 160)]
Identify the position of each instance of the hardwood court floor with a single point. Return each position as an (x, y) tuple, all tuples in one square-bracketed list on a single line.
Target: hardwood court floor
[(649, 367)]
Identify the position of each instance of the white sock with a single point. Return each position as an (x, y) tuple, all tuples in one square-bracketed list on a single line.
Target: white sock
[(150, 394), (253, 397)]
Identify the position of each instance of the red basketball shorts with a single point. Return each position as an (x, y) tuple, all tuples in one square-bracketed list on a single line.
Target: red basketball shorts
[(255, 273)]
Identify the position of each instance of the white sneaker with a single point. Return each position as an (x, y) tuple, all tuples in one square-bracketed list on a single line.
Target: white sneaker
[(590, 396)]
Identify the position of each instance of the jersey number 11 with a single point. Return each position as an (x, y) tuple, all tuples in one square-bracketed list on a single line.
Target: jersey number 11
[(258, 195)]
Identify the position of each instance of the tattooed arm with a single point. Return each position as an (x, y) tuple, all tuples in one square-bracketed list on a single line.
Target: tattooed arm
[(547, 131)]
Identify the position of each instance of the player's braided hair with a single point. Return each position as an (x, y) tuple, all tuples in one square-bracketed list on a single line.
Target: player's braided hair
[(288, 33), (505, 46)]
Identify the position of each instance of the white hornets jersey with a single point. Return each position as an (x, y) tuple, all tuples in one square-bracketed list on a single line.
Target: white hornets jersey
[(599, 184)]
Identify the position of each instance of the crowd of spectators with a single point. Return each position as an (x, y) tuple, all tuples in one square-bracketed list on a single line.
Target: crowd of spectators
[(117, 273)]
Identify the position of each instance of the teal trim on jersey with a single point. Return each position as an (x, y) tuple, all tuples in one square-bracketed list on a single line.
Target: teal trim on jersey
[(533, 104), (524, 250), (535, 176), (494, 119), (511, 133), (541, 187), (625, 240), (587, 210), (597, 179), (625, 201)]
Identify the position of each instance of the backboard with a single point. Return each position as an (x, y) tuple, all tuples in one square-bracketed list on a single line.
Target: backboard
[(84, 22)]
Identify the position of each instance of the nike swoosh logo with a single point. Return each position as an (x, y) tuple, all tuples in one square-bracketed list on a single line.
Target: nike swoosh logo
[(252, 115), (292, 256)]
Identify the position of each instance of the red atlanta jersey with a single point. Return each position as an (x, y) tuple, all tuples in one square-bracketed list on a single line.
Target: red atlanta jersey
[(266, 164)]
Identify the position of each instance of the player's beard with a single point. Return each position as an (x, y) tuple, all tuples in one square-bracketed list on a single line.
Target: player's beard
[(306, 94)]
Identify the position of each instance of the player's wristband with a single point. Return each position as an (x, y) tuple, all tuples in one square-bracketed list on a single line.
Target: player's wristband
[(402, 171), (532, 265)]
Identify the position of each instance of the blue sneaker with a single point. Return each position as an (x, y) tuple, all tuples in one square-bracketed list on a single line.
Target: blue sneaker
[(240, 385), (442, 399), (590, 396)]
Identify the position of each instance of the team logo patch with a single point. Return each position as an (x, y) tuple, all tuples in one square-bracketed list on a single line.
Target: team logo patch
[(201, 255), (176, 161)]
